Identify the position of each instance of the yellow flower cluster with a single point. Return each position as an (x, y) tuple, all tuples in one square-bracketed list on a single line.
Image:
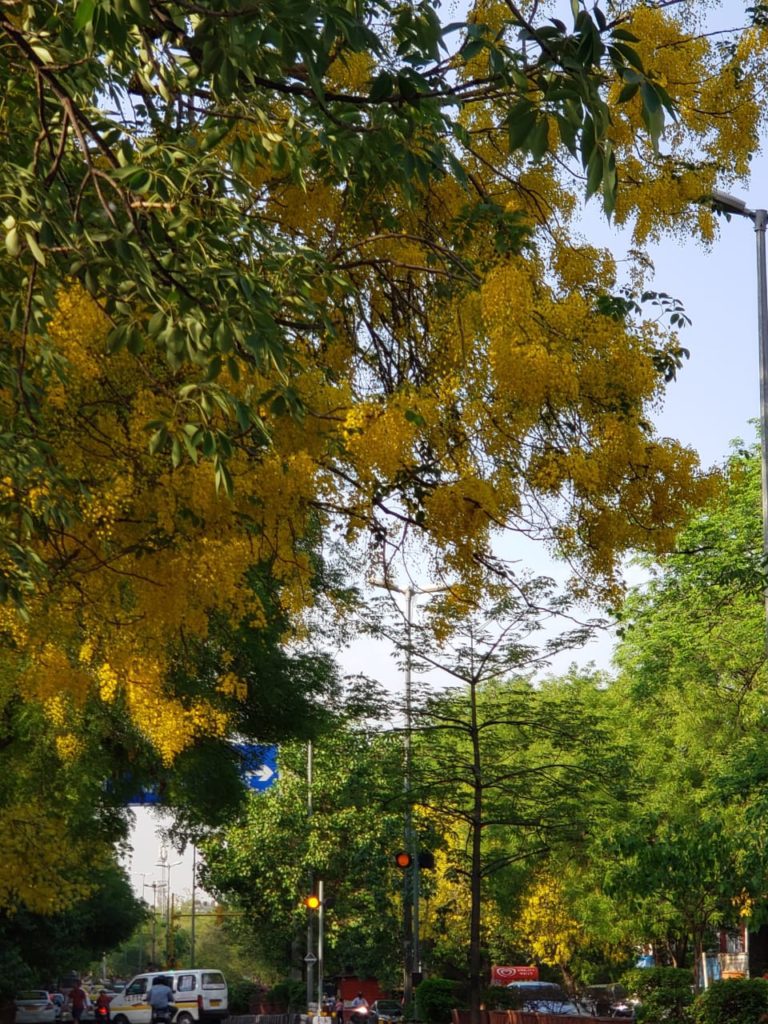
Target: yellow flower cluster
[(231, 685), (39, 871)]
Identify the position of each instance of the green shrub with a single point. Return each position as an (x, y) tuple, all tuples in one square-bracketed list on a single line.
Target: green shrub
[(435, 998), (732, 1002), (665, 994), (289, 994), (241, 994), (499, 997)]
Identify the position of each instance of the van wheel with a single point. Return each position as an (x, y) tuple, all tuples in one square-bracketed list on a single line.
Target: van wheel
[(184, 1018), (120, 1019)]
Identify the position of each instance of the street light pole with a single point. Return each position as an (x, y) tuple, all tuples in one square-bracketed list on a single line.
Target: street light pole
[(194, 909), (731, 204), (411, 950)]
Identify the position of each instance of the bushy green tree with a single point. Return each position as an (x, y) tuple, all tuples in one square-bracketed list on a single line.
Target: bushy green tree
[(737, 1001)]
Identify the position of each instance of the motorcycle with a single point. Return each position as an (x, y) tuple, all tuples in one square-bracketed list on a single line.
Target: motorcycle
[(359, 1015), (163, 1014), (101, 1014)]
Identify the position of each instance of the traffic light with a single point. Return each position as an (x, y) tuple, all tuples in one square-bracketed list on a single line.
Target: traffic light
[(312, 902), (425, 860)]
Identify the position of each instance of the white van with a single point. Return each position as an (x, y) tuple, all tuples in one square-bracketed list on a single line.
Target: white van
[(199, 996)]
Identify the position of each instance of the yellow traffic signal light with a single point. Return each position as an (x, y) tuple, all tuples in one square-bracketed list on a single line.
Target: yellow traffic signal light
[(311, 902), (403, 859)]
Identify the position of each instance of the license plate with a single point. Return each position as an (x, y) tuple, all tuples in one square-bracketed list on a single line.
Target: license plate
[(215, 1002)]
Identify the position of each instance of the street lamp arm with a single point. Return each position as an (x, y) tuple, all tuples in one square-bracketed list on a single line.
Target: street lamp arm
[(384, 585), (732, 204)]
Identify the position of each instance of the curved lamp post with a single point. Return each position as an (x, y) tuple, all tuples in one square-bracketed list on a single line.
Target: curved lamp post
[(729, 204)]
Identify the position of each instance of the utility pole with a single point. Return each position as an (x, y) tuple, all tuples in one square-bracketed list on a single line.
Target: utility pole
[(411, 950), (154, 887)]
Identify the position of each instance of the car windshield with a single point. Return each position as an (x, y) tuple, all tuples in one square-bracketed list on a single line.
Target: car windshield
[(37, 995), (387, 1004)]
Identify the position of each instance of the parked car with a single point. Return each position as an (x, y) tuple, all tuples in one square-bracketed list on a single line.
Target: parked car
[(386, 1011), (35, 1006), (546, 997), (609, 1001)]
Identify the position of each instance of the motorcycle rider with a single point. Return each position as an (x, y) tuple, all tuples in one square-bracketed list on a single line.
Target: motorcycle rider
[(160, 999), (102, 1008), (359, 1009)]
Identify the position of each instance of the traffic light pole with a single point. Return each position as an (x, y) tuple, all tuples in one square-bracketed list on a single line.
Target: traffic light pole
[(308, 960), (320, 978), (411, 950)]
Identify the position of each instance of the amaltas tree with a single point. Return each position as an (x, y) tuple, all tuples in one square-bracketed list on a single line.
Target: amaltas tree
[(277, 270)]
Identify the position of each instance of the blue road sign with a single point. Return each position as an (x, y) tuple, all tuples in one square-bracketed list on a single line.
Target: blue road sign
[(259, 765), (258, 769)]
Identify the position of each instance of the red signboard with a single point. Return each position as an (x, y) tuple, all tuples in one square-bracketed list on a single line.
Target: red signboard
[(503, 975)]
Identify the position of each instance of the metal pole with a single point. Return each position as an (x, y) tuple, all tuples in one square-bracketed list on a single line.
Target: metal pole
[(170, 952), (194, 898), (412, 844), (759, 219), (409, 906), (310, 966), (154, 924), (320, 978), (725, 203), (411, 886)]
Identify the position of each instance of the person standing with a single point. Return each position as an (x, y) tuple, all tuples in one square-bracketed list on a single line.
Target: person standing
[(78, 1001)]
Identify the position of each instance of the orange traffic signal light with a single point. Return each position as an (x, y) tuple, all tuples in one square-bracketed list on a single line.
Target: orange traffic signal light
[(403, 859), (311, 902)]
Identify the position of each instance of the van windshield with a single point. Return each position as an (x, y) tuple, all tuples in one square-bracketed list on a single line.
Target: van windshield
[(213, 979)]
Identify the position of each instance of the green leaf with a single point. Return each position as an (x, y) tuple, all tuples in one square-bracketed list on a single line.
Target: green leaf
[(653, 113), (84, 13), (629, 89), (158, 440), (520, 123), (12, 242), (382, 88), (142, 8), (34, 248), (214, 136), (538, 140), (595, 170)]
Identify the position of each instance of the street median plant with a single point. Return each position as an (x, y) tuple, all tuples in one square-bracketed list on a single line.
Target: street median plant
[(498, 997), (736, 1001), (290, 995), (665, 994), (435, 998)]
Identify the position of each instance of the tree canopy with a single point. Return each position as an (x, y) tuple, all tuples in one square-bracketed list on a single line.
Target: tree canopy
[(281, 280)]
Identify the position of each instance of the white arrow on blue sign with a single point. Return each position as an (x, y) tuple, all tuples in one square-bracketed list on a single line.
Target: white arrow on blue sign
[(259, 765)]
